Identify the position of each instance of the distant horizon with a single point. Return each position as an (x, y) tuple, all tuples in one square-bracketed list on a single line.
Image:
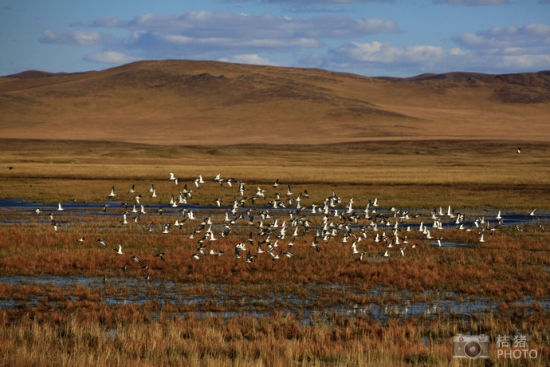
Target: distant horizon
[(276, 66), (394, 38)]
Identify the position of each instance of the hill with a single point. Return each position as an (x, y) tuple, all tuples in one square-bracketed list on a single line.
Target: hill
[(200, 103)]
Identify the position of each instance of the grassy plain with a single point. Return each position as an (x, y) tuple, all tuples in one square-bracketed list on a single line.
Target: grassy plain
[(78, 326), (482, 174)]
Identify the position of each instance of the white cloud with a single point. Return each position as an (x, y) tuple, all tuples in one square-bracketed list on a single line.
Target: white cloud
[(249, 59), (213, 35), (267, 26), (328, 1), (531, 35), (385, 53), (110, 57), (472, 2), (499, 49), (245, 38), (72, 38), (525, 62), (302, 3)]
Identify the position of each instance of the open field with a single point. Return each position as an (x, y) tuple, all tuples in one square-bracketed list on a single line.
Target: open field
[(407, 174), (328, 307), (403, 216)]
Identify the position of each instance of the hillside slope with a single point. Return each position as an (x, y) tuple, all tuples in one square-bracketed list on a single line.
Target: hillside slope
[(197, 103)]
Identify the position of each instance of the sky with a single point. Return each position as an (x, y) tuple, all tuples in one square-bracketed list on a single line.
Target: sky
[(369, 37)]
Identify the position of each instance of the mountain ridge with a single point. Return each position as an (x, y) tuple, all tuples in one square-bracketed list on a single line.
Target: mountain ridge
[(208, 102)]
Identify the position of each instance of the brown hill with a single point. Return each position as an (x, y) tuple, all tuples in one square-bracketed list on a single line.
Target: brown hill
[(195, 102)]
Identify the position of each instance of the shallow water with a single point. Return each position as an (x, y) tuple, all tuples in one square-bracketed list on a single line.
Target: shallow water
[(306, 304), (74, 210), (452, 244)]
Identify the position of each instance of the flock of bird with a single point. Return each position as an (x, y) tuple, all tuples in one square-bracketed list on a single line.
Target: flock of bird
[(284, 219)]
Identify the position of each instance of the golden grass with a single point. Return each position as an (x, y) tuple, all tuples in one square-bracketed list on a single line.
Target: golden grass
[(462, 174), (190, 102), (122, 336)]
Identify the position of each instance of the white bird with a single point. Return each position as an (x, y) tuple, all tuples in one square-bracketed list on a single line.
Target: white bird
[(428, 235), (119, 252), (172, 177), (37, 211), (499, 217), (112, 193), (450, 212), (532, 212), (59, 207), (350, 206), (481, 239)]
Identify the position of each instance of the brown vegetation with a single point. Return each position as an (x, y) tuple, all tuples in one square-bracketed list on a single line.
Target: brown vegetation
[(197, 103)]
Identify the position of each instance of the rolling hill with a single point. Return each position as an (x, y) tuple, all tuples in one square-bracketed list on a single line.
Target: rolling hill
[(213, 103)]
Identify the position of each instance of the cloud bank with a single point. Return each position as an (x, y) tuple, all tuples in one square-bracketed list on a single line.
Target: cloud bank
[(333, 42)]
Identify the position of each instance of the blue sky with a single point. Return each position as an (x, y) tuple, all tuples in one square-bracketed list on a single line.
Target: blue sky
[(368, 37)]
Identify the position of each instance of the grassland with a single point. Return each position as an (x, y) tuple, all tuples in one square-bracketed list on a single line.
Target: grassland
[(126, 337), (70, 137), (79, 326), (482, 174)]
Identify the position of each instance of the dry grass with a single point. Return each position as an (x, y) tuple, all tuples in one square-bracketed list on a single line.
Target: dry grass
[(509, 266), (189, 102), (78, 328), (419, 174), (124, 337)]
